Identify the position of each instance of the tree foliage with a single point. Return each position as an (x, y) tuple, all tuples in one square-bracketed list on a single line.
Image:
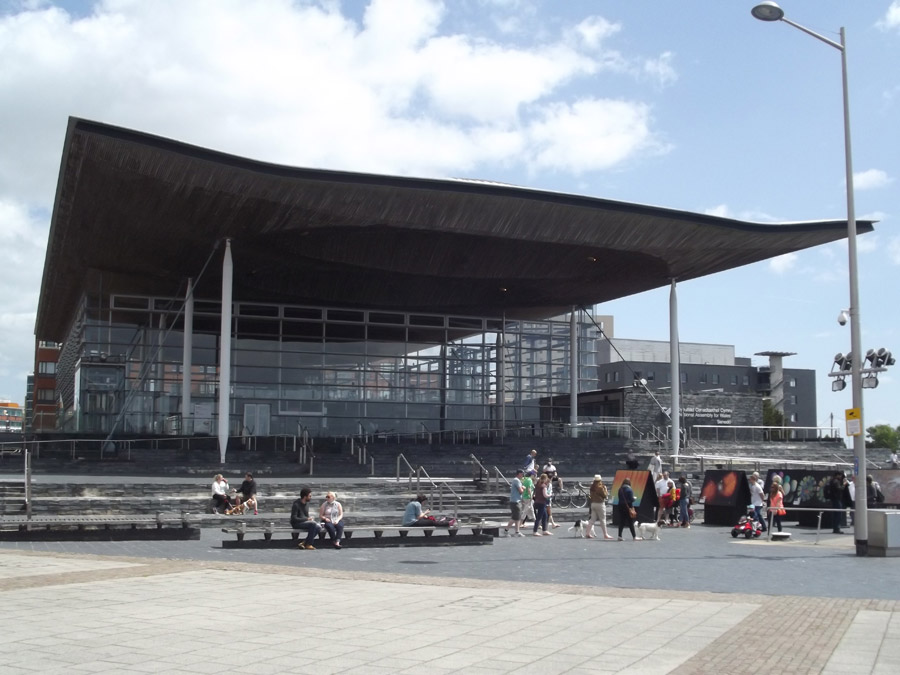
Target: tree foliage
[(883, 436), (772, 418)]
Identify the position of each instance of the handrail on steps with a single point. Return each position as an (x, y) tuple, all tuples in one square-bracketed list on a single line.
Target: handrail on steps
[(441, 486), (497, 474)]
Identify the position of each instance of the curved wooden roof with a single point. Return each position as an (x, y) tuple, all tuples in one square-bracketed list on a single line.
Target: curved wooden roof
[(145, 212)]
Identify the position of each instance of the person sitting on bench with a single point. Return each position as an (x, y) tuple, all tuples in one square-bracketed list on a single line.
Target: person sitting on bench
[(414, 516), (246, 498), (331, 513), (301, 520), (220, 497)]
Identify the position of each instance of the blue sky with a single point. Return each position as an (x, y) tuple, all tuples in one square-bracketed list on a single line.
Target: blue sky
[(691, 105)]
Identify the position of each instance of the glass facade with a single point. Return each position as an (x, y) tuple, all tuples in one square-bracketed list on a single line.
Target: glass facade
[(328, 371)]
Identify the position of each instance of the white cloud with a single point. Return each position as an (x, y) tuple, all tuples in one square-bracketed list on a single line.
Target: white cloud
[(589, 135), (891, 18), (303, 84), (724, 211), (661, 69), (595, 29), (783, 263), (893, 249), (871, 179)]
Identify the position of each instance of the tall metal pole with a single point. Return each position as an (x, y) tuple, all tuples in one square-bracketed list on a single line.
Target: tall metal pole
[(770, 11)]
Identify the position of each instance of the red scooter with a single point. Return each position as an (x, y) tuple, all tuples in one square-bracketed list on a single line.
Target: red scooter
[(748, 526)]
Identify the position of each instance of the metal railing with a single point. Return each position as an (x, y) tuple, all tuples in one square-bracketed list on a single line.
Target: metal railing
[(440, 486), (493, 473), (771, 515), (720, 461), (730, 432)]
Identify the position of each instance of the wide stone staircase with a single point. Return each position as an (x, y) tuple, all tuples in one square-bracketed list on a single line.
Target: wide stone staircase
[(465, 480)]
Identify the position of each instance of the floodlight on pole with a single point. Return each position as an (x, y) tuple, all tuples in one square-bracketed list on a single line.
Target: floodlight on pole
[(769, 12)]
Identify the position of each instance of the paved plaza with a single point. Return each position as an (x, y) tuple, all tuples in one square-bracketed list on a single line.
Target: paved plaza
[(695, 602)]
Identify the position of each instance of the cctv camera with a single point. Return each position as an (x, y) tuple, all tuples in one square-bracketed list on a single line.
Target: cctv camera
[(843, 317)]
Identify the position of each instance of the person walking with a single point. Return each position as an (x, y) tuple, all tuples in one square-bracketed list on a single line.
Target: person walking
[(541, 498), (776, 501), (758, 500), (598, 496), (527, 498), (627, 513)]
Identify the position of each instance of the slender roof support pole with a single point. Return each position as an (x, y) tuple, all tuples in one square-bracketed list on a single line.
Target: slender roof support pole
[(501, 377), (187, 422), (573, 372), (675, 359), (225, 352)]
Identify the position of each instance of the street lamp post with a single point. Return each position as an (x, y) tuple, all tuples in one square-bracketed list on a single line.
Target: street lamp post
[(770, 11)]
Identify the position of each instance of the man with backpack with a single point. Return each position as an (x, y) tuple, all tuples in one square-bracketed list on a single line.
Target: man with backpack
[(834, 493), (684, 503)]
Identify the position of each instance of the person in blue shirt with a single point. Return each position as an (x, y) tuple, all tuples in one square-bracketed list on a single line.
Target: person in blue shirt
[(414, 515), (516, 490)]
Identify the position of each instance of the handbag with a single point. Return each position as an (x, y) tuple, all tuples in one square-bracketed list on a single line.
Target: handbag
[(632, 513)]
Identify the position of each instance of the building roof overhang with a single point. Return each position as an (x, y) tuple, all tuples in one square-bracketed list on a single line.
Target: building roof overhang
[(145, 213)]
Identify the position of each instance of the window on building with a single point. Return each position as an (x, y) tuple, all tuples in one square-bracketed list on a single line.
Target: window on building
[(792, 382), (793, 417), (715, 378), (734, 380), (703, 378), (616, 376), (651, 375), (793, 399), (45, 395), (683, 378), (746, 380), (608, 378), (47, 368)]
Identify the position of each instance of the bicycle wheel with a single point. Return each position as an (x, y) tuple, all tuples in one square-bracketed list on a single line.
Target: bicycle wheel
[(562, 500), (579, 500)]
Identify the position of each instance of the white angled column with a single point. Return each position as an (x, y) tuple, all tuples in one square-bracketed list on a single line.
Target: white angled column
[(573, 372), (225, 352), (187, 420), (675, 359)]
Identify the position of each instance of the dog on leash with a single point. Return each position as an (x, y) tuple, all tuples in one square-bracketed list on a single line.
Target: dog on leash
[(648, 530), (578, 529)]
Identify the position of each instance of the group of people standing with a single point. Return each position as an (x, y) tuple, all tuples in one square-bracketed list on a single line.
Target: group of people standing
[(531, 496)]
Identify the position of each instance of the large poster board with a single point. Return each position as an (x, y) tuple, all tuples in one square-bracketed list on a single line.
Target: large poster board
[(645, 499), (805, 488), (725, 496)]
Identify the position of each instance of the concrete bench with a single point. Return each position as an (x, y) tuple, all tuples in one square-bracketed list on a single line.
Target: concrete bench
[(483, 532), (98, 528)]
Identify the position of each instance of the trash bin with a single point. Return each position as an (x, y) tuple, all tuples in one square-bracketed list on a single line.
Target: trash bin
[(884, 533)]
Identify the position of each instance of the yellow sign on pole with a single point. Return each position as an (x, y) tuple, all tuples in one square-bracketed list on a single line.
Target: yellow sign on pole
[(854, 425)]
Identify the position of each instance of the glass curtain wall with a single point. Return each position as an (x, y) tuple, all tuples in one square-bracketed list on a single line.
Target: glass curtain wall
[(326, 371)]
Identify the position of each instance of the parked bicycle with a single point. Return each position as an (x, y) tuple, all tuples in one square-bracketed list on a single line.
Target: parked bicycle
[(577, 497)]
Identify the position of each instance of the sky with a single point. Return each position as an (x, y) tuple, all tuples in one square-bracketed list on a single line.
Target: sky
[(692, 105)]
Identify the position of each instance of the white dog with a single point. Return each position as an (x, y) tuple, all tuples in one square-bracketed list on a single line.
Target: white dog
[(648, 530), (578, 528)]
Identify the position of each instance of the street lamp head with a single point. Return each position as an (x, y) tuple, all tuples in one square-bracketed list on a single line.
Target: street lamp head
[(768, 11)]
